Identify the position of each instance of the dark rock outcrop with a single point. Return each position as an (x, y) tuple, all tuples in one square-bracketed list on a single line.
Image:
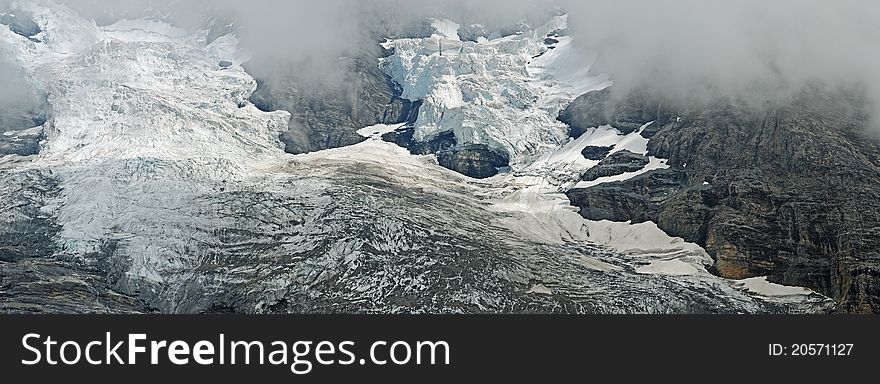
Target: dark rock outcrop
[(329, 102), (22, 143), (586, 111), (477, 161), (593, 152), (327, 111), (400, 110), (404, 138), (787, 190), (598, 108), (615, 164), (474, 160)]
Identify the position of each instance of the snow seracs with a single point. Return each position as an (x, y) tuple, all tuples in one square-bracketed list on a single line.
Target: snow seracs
[(145, 122), (142, 89), (504, 93)]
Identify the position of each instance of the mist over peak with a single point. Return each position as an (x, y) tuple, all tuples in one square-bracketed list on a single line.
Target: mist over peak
[(688, 48), (754, 48)]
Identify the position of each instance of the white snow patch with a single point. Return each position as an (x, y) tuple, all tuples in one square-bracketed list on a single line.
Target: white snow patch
[(376, 131), (566, 70), (569, 159), (540, 289), (673, 267), (143, 31), (34, 131), (644, 238), (761, 286), (653, 163)]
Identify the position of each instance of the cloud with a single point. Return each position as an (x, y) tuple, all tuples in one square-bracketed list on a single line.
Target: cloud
[(21, 106), (314, 31), (685, 47), (746, 47)]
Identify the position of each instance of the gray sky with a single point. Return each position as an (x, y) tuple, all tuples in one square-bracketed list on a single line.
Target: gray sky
[(684, 46), (687, 46)]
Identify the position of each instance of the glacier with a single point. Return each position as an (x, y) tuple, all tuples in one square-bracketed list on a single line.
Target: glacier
[(503, 92), (176, 188)]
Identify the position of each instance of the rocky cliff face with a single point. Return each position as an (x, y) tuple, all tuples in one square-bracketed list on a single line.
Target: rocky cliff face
[(627, 115), (327, 114), (477, 160), (474, 160), (791, 191), (327, 111), (616, 164)]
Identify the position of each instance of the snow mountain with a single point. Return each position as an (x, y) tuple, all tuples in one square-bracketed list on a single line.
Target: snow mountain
[(159, 186)]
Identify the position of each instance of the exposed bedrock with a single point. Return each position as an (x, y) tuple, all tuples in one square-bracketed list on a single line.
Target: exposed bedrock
[(475, 160), (592, 152), (790, 190), (617, 163), (329, 107), (327, 114), (628, 114), (329, 102)]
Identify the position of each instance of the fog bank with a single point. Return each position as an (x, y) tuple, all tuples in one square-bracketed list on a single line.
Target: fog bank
[(687, 48)]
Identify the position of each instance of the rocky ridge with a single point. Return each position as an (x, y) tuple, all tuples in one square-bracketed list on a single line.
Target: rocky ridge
[(787, 190)]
